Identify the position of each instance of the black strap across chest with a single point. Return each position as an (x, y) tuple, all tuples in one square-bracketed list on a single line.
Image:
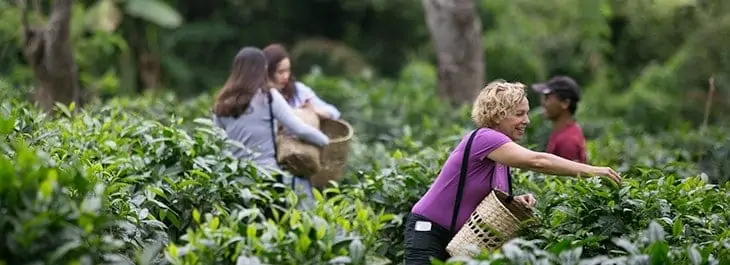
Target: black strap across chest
[(273, 129), (273, 138), (462, 181)]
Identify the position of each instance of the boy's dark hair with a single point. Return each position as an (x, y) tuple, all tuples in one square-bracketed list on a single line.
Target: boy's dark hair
[(565, 88)]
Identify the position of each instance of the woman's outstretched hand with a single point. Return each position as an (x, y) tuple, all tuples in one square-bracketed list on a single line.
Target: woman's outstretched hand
[(607, 172), (527, 199)]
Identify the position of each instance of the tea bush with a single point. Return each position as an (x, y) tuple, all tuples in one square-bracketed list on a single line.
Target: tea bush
[(150, 181), (154, 183), (583, 214)]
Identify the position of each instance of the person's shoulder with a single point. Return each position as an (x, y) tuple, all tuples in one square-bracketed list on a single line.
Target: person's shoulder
[(266, 96), (576, 126), (304, 92), (300, 85), (303, 88), (271, 92), (571, 136), (485, 141), (491, 134), (487, 136), (576, 130)]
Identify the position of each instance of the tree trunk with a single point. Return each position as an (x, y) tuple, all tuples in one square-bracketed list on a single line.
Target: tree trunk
[(456, 31), (149, 70), (50, 54)]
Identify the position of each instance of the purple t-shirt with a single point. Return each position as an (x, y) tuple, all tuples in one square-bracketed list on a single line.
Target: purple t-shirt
[(438, 202)]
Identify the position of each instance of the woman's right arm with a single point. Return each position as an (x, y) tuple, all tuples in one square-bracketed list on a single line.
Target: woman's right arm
[(284, 114), (514, 155)]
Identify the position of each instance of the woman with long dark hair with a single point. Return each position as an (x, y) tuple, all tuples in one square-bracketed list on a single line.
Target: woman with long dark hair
[(297, 95), (248, 111)]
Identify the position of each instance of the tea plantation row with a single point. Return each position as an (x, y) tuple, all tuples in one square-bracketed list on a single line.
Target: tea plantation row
[(123, 183)]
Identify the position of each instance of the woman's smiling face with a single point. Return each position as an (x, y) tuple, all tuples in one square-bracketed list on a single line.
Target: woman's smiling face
[(514, 124)]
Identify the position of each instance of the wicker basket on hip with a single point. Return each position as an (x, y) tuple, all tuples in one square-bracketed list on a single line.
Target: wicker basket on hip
[(494, 222), (296, 156), (333, 157)]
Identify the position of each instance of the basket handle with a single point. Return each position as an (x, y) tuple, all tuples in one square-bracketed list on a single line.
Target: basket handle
[(462, 180)]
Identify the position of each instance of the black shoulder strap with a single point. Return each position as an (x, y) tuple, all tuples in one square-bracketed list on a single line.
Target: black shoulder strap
[(462, 181), (509, 185), (273, 127), (273, 137)]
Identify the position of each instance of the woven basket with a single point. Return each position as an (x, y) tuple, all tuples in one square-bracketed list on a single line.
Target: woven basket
[(296, 156), (493, 223), (334, 157)]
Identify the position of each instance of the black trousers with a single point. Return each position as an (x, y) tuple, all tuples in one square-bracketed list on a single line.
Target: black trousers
[(426, 242)]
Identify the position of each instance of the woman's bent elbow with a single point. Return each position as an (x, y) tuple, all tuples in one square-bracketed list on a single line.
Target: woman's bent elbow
[(538, 161)]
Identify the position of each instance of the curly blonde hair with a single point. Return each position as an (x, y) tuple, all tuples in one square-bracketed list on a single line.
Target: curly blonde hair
[(496, 101)]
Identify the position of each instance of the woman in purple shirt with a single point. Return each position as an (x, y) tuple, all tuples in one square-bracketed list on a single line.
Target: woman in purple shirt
[(500, 113)]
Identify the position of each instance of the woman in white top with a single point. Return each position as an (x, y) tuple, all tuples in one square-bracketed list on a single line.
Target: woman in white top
[(298, 95)]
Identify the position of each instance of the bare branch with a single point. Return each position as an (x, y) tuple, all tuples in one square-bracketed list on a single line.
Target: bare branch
[(24, 19)]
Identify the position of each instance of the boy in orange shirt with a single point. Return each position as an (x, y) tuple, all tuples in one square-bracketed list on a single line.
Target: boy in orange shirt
[(559, 98)]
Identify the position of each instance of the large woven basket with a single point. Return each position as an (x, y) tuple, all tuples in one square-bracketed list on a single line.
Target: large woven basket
[(333, 158), (300, 158), (493, 223)]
